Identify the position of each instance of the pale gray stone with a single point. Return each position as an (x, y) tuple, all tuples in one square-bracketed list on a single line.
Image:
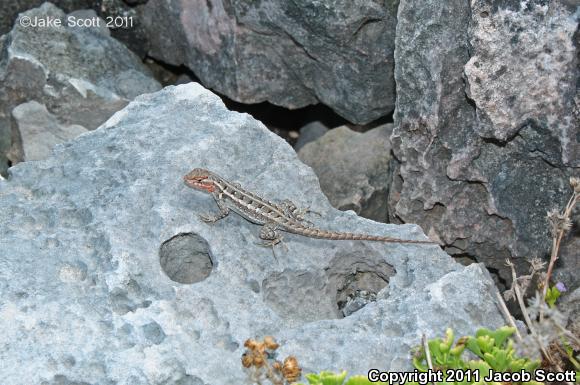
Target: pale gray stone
[(40, 131), (84, 298), (309, 133), (353, 169)]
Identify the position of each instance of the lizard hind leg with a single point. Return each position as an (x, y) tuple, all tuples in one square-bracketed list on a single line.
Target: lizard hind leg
[(296, 213), (269, 234)]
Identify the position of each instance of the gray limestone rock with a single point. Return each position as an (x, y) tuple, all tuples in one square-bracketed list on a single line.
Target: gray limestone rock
[(290, 53), (108, 276), (485, 129), (40, 131), (309, 133), (81, 75), (353, 169)]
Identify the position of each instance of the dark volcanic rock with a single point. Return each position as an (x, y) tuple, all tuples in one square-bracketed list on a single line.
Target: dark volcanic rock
[(108, 276), (290, 53), (484, 155), (523, 73)]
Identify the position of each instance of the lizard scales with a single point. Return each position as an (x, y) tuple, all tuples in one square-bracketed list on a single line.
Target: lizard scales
[(283, 216)]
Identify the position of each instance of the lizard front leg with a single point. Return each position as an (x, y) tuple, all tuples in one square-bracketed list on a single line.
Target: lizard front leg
[(224, 211)]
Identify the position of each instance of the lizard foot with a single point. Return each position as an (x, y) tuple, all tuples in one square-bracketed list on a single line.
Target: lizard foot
[(207, 218), (273, 242)]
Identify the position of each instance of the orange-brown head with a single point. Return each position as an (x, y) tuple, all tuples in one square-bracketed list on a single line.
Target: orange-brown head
[(200, 179)]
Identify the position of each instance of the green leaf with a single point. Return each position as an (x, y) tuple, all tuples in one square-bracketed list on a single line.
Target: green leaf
[(483, 332), (328, 378), (502, 334), (485, 343), (449, 337), (361, 380), (434, 347), (313, 379), (420, 363), (500, 360), (530, 365), (552, 294), (456, 351), (481, 366), (473, 346)]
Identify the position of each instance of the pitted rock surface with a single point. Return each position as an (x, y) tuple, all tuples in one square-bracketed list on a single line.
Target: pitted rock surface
[(102, 252)]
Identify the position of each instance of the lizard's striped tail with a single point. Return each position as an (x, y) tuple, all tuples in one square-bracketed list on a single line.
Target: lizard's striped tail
[(337, 235)]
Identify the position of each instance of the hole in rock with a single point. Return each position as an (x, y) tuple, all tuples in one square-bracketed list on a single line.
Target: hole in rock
[(358, 282), (360, 288), (186, 258), (348, 284)]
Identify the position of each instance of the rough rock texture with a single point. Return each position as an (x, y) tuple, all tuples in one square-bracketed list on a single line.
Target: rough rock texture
[(81, 75), (570, 303), (353, 169), (108, 276), (535, 84), (482, 172), (290, 53)]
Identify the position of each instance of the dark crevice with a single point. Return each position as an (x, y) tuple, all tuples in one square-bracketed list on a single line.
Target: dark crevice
[(282, 121), (465, 259), (470, 101), (364, 23), (386, 119), (504, 142), (495, 141), (495, 273), (168, 74), (538, 154), (299, 45), (276, 117)]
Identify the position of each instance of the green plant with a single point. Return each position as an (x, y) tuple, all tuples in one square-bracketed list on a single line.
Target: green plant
[(330, 378), (552, 294), (495, 350)]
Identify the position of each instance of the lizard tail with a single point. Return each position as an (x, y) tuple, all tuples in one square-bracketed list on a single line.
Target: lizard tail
[(336, 235)]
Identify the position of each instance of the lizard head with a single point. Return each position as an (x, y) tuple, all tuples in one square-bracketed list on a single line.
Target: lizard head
[(199, 179)]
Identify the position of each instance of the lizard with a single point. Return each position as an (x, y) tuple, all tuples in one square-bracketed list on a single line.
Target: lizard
[(284, 216)]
